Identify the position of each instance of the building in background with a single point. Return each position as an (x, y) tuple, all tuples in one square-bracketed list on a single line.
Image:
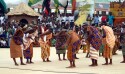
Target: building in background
[(102, 7)]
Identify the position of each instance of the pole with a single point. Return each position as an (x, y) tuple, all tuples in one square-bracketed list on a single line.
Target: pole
[(94, 6)]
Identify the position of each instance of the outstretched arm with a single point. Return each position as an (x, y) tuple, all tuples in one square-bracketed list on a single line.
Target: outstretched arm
[(46, 33)]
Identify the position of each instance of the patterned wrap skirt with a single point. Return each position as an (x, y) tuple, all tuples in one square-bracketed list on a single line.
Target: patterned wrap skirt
[(72, 49), (93, 53)]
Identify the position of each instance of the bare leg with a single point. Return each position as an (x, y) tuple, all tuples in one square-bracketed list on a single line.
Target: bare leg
[(48, 60), (110, 62), (31, 60), (87, 55), (27, 60), (96, 63), (71, 64), (76, 57), (93, 63), (21, 60), (123, 59), (14, 59), (44, 60), (74, 63), (64, 56), (106, 59), (59, 57)]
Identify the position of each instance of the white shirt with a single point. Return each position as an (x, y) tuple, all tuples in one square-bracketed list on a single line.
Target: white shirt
[(71, 18), (64, 19), (1, 30), (2, 19), (67, 19), (40, 17), (100, 18), (122, 30), (3, 42)]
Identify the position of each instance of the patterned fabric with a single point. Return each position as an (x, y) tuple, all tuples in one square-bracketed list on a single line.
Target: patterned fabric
[(93, 53), (45, 49), (96, 38), (110, 37), (72, 49), (75, 47), (18, 36), (60, 40), (28, 53), (16, 50), (107, 53)]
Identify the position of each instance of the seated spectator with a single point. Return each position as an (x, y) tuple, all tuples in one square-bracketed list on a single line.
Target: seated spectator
[(3, 42)]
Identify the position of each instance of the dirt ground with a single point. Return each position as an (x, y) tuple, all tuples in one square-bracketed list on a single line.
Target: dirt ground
[(55, 67)]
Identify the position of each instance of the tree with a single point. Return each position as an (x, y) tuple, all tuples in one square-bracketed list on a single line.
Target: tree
[(85, 7), (31, 2)]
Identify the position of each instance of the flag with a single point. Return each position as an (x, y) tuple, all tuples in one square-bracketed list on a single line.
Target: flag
[(73, 5), (46, 11), (46, 6)]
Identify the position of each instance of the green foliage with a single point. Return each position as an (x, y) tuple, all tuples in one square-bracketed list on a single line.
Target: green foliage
[(85, 7), (31, 2)]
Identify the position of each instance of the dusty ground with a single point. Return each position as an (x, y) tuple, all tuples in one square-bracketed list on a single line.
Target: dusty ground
[(55, 67)]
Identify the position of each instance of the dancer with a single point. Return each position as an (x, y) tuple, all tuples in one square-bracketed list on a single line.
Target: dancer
[(109, 38)]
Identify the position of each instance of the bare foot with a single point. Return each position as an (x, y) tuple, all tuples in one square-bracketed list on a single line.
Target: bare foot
[(69, 67), (122, 62), (44, 61), (92, 65), (48, 61), (105, 64), (31, 62), (96, 64), (74, 66), (76, 58), (16, 64), (23, 64), (28, 62), (110, 63), (60, 59), (64, 59)]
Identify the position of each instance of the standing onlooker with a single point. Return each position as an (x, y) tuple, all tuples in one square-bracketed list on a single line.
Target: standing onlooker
[(111, 19), (1, 30), (71, 18), (103, 19), (89, 19), (1, 20), (96, 20)]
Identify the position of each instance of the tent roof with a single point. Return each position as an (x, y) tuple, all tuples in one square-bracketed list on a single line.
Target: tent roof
[(23, 8)]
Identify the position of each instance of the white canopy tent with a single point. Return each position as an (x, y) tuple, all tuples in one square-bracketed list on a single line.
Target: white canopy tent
[(13, 3)]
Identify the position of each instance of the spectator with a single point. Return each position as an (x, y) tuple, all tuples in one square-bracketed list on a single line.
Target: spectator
[(96, 20), (3, 42), (111, 19)]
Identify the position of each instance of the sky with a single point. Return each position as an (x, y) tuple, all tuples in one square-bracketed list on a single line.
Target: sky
[(15, 1)]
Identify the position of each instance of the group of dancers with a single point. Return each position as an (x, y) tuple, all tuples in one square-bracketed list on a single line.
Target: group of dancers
[(21, 43)]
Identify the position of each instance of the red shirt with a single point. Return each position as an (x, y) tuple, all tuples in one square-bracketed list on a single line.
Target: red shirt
[(103, 18)]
